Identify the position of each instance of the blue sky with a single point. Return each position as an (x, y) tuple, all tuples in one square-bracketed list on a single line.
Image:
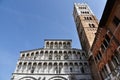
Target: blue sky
[(24, 24)]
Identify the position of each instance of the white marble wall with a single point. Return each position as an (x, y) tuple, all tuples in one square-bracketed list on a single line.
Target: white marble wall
[(48, 63)]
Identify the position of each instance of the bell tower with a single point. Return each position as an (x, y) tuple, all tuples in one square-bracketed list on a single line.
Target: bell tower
[(86, 25)]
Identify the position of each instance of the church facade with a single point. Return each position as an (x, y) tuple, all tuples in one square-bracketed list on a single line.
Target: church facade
[(57, 60)]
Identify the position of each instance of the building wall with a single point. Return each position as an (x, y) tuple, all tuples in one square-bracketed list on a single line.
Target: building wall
[(106, 47)]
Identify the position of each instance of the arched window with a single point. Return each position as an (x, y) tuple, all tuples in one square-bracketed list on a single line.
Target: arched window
[(23, 56), (49, 67), (87, 18), (80, 64), (56, 68), (78, 55), (65, 66), (51, 52), (32, 55), (33, 67), (46, 55), (36, 55), (90, 18), (70, 55), (60, 52), (27, 56), (81, 67), (51, 45), (76, 67), (68, 44), (83, 56), (90, 25), (71, 67), (56, 45), (24, 66), (19, 66), (50, 55), (44, 67), (41, 54), (60, 44), (47, 44), (64, 45), (74, 54), (93, 25), (55, 55), (46, 52), (39, 66), (29, 66), (60, 67), (65, 55), (60, 55)]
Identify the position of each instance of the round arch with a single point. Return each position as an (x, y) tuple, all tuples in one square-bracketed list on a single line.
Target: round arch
[(57, 78), (27, 77)]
